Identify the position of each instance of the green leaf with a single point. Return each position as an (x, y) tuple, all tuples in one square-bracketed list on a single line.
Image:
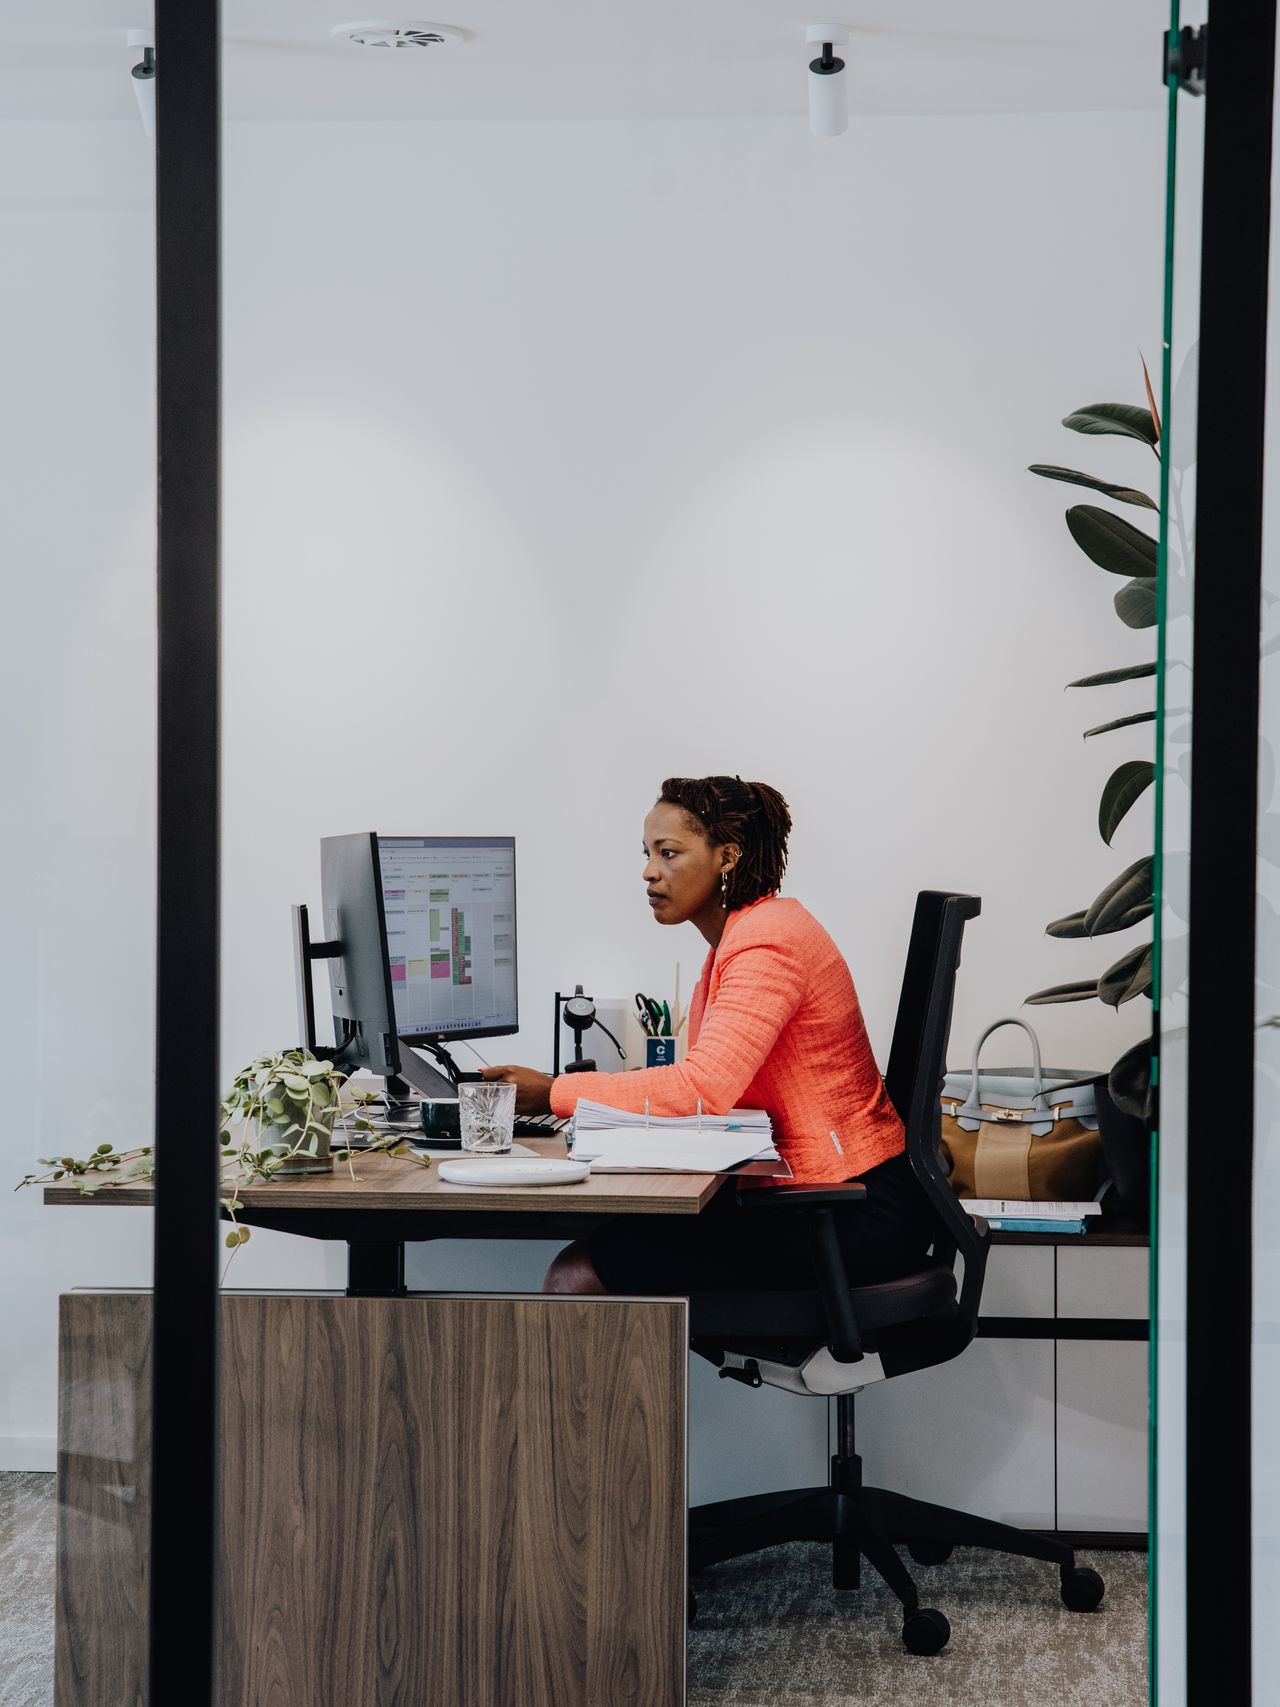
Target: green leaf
[(1134, 916), (1111, 542), (1073, 477), (103, 1150), (1125, 419), (1151, 397), (1124, 786), (1070, 926), (1134, 886), (293, 1081), (1106, 678), (1130, 1081), (1121, 723), (1079, 992), (1129, 977), (1136, 603)]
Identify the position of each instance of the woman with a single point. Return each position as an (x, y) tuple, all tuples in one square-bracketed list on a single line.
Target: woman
[(775, 1024)]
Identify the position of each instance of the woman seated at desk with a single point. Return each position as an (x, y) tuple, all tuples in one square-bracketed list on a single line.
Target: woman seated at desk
[(774, 1024)]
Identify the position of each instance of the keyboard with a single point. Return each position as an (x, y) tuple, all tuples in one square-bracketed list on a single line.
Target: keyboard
[(537, 1125)]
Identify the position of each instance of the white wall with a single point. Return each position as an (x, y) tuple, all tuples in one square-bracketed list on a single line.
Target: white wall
[(77, 695), (563, 457)]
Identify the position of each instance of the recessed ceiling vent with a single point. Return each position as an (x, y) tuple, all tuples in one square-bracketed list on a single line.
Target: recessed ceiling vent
[(396, 35)]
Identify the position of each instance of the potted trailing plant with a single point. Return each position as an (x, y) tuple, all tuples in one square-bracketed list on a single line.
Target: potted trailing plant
[(286, 1105), (277, 1118), (1120, 548)]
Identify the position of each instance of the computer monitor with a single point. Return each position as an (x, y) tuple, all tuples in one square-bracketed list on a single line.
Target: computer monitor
[(421, 945), (449, 916)]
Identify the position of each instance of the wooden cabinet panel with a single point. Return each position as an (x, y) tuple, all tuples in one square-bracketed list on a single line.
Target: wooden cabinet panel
[(476, 1500)]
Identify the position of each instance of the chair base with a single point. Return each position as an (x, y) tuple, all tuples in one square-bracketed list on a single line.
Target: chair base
[(869, 1523)]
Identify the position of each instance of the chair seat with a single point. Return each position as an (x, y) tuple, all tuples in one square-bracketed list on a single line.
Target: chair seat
[(726, 1316)]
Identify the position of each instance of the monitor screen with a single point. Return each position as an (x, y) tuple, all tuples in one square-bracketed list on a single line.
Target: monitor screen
[(450, 908)]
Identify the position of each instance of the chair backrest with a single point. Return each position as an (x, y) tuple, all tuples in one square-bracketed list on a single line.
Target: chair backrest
[(917, 1064)]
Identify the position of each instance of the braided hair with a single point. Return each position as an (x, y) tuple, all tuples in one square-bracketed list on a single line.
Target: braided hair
[(751, 815)]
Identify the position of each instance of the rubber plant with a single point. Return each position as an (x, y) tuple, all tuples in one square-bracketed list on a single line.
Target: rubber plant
[(1122, 549)]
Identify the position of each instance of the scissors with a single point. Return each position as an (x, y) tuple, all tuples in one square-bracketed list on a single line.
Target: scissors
[(650, 1015)]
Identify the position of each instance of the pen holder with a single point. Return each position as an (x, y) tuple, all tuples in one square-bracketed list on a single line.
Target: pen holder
[(660, 1051)]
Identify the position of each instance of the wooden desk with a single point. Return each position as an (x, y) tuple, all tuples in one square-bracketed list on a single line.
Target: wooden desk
[(390, 1204), (384, 1185), (426, 1500)]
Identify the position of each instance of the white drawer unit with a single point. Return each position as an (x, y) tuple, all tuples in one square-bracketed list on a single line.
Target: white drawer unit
[(1042, 1422)]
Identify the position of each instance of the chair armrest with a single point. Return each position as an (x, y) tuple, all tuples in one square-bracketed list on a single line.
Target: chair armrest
[(801, 1196), (817, 1203)]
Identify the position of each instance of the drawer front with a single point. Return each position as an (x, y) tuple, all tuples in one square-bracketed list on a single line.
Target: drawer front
[(976, 1433), (1018, 1281), (1102, 1435), (1108, 1282)]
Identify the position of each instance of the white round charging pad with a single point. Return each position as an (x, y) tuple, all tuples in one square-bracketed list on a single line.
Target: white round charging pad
[(513, 1170)]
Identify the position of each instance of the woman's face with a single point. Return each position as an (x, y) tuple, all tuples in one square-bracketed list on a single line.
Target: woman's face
[(682, 867)]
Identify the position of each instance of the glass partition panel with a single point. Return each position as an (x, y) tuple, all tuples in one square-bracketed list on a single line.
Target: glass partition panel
[(574, 442), (77, 896), (1266, 1178), (1173, 818)]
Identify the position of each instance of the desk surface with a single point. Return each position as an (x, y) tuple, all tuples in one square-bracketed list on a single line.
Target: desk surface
[(383, 1183)]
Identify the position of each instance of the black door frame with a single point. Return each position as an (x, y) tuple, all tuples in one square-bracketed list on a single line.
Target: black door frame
[(184, 1455), (1235, 242)]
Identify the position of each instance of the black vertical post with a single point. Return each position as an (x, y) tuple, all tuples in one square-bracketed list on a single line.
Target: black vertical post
[(1229, 492), (185, 1318)]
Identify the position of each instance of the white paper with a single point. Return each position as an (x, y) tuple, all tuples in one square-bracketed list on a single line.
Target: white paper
[(624, 1149), (991, 1207), (594, 1117)]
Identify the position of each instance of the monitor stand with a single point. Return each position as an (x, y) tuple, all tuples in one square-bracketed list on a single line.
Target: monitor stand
[(415, 1074)]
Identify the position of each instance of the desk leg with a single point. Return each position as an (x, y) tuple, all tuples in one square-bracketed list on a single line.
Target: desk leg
[(374, 1269)]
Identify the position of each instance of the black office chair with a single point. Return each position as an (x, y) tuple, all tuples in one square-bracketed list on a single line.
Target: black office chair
[(834, 1338)]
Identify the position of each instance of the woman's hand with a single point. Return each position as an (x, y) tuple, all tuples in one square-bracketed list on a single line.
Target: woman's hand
[(533, 1089)]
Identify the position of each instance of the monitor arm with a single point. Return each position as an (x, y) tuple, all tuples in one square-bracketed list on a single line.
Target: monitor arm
[(304, 953)]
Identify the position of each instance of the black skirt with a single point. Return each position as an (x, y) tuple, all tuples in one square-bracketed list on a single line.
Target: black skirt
[(722, 1249)]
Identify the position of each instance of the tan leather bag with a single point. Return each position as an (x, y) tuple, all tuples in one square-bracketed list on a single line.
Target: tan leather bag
[(1015, 1136)]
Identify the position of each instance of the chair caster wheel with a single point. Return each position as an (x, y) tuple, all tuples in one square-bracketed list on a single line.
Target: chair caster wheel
[(1082, 1589), (691, 1607), (925, 1631), (929, 1552)]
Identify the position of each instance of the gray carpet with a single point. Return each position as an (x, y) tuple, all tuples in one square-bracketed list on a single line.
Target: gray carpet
[(769, 1629), (26, 1589)]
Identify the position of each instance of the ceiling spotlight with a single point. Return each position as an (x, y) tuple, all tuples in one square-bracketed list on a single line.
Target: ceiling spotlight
[(144, 78), (828, 98)]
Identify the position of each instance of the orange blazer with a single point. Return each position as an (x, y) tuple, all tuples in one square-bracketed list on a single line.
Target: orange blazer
[(775, 1024)]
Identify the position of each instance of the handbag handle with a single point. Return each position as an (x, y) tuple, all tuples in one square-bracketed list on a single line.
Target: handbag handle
[(973, 1102)]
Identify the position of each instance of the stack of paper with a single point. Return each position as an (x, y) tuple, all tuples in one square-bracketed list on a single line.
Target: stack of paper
[(598, 1116), (615, 1141), (1011, 1215)]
